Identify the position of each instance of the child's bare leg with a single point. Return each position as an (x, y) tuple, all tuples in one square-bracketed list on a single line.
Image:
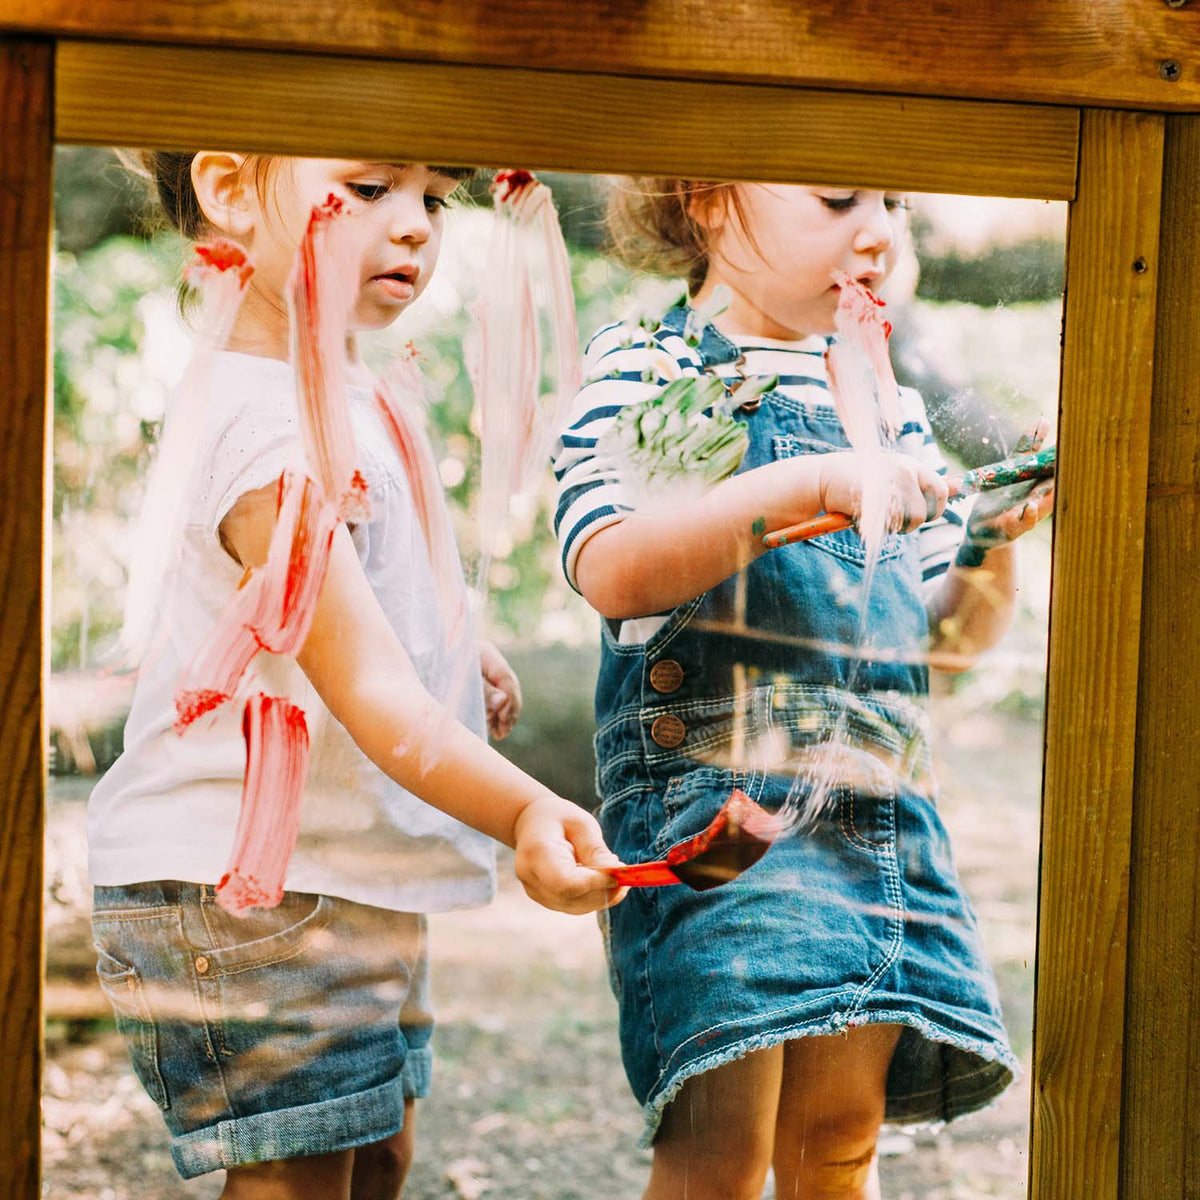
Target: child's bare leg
[(717, 1134), (314, 1177), (830, 1108), (381, 1168)]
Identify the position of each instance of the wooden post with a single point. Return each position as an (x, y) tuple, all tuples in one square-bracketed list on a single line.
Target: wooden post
[(26, 164), (1160, 1143), (1108, 357)]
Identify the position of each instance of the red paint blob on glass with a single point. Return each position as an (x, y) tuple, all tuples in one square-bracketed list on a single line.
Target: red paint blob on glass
[(268, 825), (220, 255), (736, 838), (507, 183)]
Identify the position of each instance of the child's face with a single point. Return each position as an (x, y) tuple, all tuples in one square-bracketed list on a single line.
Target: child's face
[(780, 263), (399, 208)]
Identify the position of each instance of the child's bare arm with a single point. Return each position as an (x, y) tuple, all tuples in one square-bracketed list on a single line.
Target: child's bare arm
[(653, 560), (361, 671)]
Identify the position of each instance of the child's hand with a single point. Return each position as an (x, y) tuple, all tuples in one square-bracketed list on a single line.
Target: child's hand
[(1002, 516), (557, 842), (918, 493), (501, 691)]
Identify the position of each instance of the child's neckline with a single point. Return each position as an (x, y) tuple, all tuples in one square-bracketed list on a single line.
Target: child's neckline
[(282, 366), (813, 343)]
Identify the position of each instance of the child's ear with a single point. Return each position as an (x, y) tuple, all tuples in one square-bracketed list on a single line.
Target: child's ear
[(225, 191), (708, 205)]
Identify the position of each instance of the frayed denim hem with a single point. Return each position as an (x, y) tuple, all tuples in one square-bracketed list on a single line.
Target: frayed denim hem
[(998, 1070), (321, 1128)]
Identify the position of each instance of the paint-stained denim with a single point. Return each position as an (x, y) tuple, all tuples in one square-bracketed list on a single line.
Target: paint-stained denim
[(292, 1031), (858, 918)]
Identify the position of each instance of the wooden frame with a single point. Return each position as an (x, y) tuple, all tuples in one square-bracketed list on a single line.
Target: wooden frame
[(1119, 823)]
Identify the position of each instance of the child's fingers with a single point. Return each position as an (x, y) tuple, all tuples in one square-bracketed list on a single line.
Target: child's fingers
[(556, 861), (1032, 440), (558, 882)]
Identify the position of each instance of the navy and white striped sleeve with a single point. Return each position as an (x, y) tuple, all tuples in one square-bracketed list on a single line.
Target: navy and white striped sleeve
[(938, 540), (590, 495)]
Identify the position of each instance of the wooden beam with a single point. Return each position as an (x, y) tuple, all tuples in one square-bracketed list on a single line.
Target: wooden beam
[(1101, 52), (112, 94), (1108, 357), (1160, 1143), (25, 218)]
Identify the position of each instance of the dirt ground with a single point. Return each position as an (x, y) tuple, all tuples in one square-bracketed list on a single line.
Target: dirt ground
[(529, 1099)]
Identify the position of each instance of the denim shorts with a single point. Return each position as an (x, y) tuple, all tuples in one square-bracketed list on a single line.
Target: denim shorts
[(291, 1031), (858, 919)]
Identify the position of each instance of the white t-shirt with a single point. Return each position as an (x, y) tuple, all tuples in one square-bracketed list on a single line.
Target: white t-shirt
[(168, 807)]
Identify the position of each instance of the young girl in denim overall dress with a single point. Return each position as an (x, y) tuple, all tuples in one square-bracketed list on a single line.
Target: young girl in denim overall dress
[(288, 1045), (778, 1020)]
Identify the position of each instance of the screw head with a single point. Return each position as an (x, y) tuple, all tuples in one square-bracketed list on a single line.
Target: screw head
[(1169, 69), (1139, 266), (1175, 3)]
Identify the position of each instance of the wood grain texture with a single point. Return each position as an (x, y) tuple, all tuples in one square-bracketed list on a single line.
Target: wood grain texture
[(1112, 245), (1104, 52), (111, 94), (1161, 1138), (25, 208)]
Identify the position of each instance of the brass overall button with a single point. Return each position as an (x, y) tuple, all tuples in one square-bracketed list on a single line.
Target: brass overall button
[(668, 731), (202, 965), (666, 675)]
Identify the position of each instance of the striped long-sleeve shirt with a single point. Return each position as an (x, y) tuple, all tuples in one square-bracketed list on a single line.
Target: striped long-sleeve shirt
[(621, 367)]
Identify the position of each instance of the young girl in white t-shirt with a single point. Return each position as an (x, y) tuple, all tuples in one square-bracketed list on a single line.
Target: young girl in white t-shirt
[(289, 1045)]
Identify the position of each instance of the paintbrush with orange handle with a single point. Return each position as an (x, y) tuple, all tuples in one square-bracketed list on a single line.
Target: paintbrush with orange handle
[(1019, 469)]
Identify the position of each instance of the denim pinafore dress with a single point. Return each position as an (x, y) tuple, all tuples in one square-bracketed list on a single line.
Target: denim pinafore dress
[(775, 675)]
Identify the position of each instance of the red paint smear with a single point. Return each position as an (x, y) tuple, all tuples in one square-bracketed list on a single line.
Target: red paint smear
[(291, 580), (736, 838), (274, 610), (860, 324), (508, 183), (218, 665), (321, 293), (269, 820), (221, 254)]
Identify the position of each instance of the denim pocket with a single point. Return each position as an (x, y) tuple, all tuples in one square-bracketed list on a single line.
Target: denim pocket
[(123, 986), (844, 544), (691, 801), (266, 981), (264, 936), (868, 822)]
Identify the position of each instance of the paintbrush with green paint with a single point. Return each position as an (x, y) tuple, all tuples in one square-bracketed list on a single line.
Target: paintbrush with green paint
[(1021, 468)]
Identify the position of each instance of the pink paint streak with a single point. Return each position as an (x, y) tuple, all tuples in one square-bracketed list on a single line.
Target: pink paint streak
[(401, 417), (862, 329), (269, 820), (518, 418), (321, 293), (275, 607), (219, 275)]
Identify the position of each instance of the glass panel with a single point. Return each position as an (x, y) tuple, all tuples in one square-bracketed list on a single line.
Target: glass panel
[(775, 685)]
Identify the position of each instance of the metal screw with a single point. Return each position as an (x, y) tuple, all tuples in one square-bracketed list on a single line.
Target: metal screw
[(1175, 3), (1139, 266), (1169, 69)]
